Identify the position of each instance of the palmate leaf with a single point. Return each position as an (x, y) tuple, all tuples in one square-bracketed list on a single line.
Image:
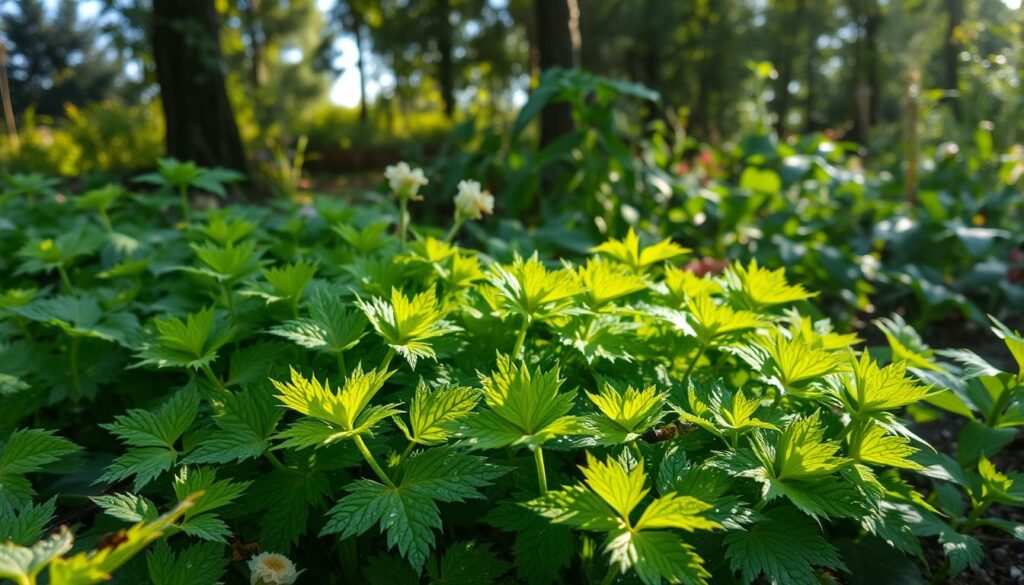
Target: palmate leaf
[(333, 415), (683, 285), (606, 501), (523, 408), (199, 520), (469, 563), (603, 337), (434, 412), (82, 316), (26, 527), (760, 288), (244, 426), (1014, 342), (198, 564), (870, 443), (604, 282), (408, 512), (228, 264), (542, 550), (792, 362), (406, 325), (331, 326), (27, 451), (191, 343), (152, 439), (529, 289), (802, 452), (784, 547), (713, 323), (284, 283), (720, 411), (624, 416), (627, 251), (873, 389)]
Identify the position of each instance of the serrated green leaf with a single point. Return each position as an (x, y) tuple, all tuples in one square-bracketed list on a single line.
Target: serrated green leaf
[(784, 547)]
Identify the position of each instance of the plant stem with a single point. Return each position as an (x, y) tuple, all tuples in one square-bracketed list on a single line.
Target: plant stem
[(521, 338), (342, 369), (214, 379), (274, 460), (542, 476), (105, 220), (64, 278), (403, 208), (689, 368), (373, 462), (388, 357), (229, 300), (609, 577), (76, 382), (186, 209), (455, 229), (406, 453)]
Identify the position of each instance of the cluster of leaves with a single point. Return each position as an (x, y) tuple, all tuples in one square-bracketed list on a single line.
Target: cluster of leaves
[(865, 239), (301, 381)]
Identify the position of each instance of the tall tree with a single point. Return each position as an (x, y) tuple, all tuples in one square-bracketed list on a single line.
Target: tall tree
[(558, 45), (186, 49), (55, 58), (951, 55)]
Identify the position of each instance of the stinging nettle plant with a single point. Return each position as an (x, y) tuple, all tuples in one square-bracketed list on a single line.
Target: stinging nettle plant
[(617, 418)]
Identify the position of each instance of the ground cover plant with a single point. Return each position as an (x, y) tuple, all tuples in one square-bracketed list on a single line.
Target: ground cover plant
[(328, 393)]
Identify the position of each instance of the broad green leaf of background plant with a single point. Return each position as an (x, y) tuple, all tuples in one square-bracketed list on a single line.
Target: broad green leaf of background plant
[(198, 564), (624, 416), (434, 412), (26, 527), (627, 251), (200, 520), (605, 502), (82, 316), (245, 424), (333, 415), (227, 264), (151, 438), (27, 451), (408, 512), (408, 324), (522, 408), (286, 283)]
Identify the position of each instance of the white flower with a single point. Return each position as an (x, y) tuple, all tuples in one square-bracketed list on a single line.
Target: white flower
[(946, 150), (404, 180), (272, 569), (471, 202)]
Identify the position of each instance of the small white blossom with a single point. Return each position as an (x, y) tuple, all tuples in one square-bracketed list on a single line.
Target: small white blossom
[(404, 180), (471, 202), (272, 569), (946, 150)]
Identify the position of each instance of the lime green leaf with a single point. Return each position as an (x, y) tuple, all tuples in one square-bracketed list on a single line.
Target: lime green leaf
[(21, 564), (339, 414), (406, 325), (190, 343), (626, 416), (528, 288), (627, 251), (869, 443), (760, 287), (656, 557), (604, 282), (523, 408), (876, 389), (433, 412)]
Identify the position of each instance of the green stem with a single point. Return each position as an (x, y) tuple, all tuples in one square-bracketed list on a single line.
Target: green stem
[(406, 453), (214, 379), (186, 209), (105, 220), (693, 364), (229, 300), (64, 278), (521, 338), (342, 369), (269, 455), (455, 229), (76, 382), (373, 462), (403, 212), (388, 357), (542, 476), (609, 577)]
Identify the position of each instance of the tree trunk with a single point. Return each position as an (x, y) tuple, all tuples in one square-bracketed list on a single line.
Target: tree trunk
[(257, 68), (558, 45), (446, 64), (357, 30), (955, 13), (200, 123)]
